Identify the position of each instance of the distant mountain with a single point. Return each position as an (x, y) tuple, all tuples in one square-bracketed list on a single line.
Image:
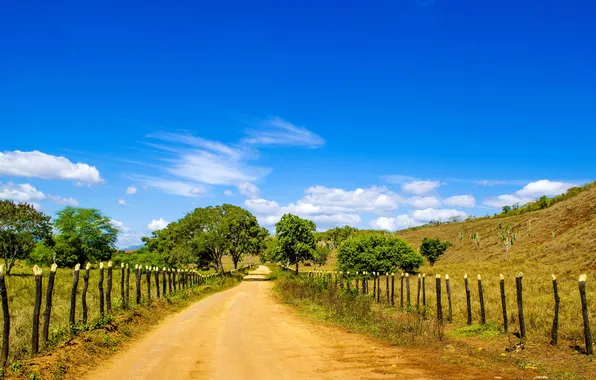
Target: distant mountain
[(133, 247)]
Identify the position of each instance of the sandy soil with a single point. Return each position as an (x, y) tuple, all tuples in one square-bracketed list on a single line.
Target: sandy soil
[(244, 333)]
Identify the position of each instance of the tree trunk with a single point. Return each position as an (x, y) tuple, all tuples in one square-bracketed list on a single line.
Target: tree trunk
[(296, 267)]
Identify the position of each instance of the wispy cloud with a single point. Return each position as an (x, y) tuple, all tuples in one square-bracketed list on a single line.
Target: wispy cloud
[(529, 193), (277, 131), (188, 162)]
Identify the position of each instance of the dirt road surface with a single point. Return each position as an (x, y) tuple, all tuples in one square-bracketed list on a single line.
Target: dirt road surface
[(244, 333)]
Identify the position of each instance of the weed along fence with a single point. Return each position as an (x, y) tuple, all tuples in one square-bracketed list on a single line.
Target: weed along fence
[(100, 290), (500, 302)]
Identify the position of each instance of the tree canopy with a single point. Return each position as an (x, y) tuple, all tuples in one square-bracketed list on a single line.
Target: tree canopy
[(295, 240), (206, 234), (85, 235), (377, 253), (21, 228), (433, 248)]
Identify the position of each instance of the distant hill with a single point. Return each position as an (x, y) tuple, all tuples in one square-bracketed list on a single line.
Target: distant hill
[(573, 247), (133, 247)]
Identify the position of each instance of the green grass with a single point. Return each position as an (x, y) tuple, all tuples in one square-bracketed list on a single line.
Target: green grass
[(487, 331)]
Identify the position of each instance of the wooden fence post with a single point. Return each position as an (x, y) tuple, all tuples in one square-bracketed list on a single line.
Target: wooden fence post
[(164, 281), (156, 274), (387, 293), (175, 283), (401, 291), (48, 311), (6, 315), (109, 290), (170, 285), (520, 303), (148, 273), (357, 288), (423, 295), (481, 297), (138, 282), (392, 289), (449, 307), (503, 302), (127, 288), (584, 301), (84, 294), (73, 295), (408, 303), (101, 295), (418, 292), (374, 285), (36, 310), (439, 304), (123, 275), (555, 329), (378, 287), (468, 299)]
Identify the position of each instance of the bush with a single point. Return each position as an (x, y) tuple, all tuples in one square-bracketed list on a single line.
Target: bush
[(42, 255), (376, 253)]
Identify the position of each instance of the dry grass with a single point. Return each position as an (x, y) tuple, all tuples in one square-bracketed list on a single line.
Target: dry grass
[(21, 292)]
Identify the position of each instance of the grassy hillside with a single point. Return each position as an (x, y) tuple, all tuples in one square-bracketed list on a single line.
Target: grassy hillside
[(572, 250)]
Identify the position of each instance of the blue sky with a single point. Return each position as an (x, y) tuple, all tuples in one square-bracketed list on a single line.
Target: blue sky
[(374, 114)]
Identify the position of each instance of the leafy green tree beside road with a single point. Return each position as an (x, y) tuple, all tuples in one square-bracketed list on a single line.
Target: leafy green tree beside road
[(376, 253), (295, 240), (22, 227)]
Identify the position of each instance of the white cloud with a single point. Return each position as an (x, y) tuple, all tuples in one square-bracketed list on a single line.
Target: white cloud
[(131, 190), (20, 193), (40, 165), (506, 200), (424, 202), (328, 206), (121, 202), (429, 214), (119, 225), (248, 189), (262, 206), (393, 223), (157, 224), (544, 187), (63, 201), (461, 201), (420, 187), (280, 132), (228, 193), (181, 188), (529, 193)]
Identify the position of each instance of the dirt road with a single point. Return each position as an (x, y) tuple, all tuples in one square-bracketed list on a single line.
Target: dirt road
[(244, 333)]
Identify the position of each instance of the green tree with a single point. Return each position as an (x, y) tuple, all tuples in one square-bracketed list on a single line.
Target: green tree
[(42, 255), (433, 248), (321, 254), (241, 231), (21, 228), (335, 236), (376, 253), (85, 235), (295, 240)]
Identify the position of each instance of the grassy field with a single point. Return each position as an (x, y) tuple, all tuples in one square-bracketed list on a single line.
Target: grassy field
[(536, 253), (21, 292)]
